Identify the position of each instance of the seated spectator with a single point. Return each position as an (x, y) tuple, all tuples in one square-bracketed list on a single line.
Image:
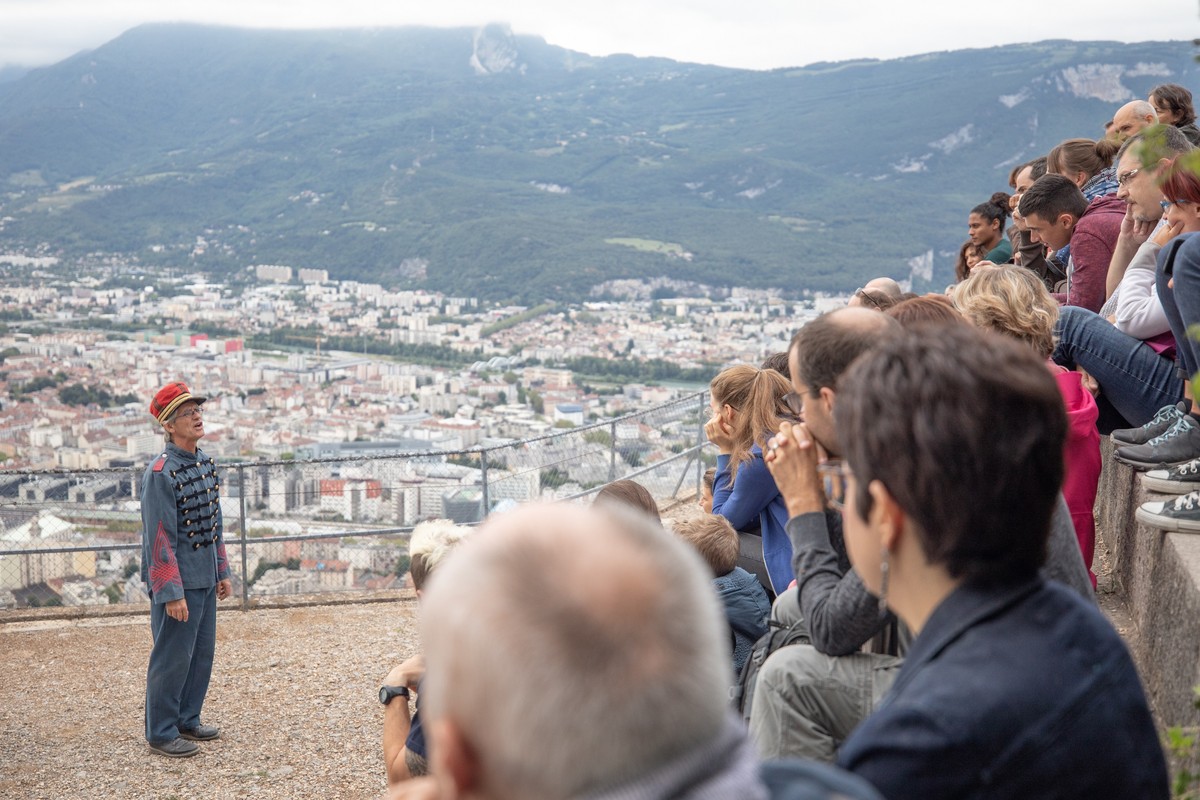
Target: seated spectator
[(706, 489), (998, 695), (747, 406), (985, 227), (1173, 105), (872, 299), (1088, 164), (1132, 118), (1028, 253), (616, 689), (935, 308), (743, 598), (777, 362), (886, 285), (405, 754), (968, 256), (1057, 214), (808, 697), (1127, 351), (1013, 302), (630, 494)]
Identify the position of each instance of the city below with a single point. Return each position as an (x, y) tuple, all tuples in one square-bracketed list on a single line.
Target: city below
[(396, 392)]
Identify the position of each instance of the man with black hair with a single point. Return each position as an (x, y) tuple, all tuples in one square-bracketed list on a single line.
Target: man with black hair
[(1057, 214)]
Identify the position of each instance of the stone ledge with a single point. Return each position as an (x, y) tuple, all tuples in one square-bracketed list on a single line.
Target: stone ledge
[(1157, 575)]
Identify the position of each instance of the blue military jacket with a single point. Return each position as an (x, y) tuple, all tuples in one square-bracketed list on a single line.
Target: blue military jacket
[(182, 537)]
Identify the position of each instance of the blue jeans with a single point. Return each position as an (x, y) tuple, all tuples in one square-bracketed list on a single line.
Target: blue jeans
[(1135, 381), (180, 665), (1180, 258)]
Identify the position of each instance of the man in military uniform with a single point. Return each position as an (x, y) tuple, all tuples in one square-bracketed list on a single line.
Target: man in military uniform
[(185, 571)]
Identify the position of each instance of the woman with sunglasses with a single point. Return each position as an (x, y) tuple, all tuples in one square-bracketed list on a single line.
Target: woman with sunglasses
[(747, 405)]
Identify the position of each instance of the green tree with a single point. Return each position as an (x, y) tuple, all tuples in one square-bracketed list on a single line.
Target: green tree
[(403, 562)]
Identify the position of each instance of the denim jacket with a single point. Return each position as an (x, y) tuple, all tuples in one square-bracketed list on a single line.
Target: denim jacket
[(1020, 691)]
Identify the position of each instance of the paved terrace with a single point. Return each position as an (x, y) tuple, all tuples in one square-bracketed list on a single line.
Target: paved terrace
[(294, 692)]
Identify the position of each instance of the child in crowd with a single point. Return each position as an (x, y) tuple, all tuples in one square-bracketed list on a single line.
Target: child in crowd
[(630, 494), (706, 489), (742, 596)]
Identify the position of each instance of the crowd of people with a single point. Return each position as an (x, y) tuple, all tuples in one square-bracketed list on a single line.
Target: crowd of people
[(890, 568)]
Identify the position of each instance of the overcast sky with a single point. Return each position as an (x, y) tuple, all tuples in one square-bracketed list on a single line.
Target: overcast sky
[(755, 34)]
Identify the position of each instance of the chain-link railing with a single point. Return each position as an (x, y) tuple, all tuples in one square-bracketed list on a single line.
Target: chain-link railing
[(315, 527)]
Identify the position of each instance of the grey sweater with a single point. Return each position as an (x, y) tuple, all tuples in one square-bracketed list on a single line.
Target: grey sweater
[(842, 615)]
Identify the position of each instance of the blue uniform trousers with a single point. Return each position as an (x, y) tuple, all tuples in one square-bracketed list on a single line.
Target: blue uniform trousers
[(180, 665)]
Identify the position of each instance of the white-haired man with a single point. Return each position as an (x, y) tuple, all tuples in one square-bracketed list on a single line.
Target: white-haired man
[(575, 652), (1132, 118)]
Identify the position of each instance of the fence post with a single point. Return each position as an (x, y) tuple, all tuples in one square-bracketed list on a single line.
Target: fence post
[(612, 452), (700, 444), (242, 531), (483, 470)]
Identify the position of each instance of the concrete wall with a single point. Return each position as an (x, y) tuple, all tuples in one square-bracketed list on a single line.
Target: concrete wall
[(1157, 575)]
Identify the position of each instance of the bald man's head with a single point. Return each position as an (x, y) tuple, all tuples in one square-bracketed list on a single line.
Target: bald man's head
[(1132, 118), (886, 285), (571, 648)]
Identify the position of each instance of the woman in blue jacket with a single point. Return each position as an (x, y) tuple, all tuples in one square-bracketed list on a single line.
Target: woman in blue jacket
[(747, 405)]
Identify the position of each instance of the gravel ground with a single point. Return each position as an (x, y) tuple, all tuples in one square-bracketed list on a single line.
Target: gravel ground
[(293, 691)]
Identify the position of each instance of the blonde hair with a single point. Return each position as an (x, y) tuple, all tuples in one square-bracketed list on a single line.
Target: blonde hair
[(431, 542), (757, 397), (714, 538), (1012, 301)]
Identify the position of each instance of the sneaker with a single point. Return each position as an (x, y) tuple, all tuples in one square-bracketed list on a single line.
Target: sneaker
[(1180, 443), (1180, 514), (1180, 479), (200, 733), (176, 748), (1164, 419)]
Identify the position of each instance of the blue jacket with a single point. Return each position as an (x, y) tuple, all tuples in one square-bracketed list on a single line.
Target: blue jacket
[(182, 542), (1023, 691), (754, 496), (746, 610)]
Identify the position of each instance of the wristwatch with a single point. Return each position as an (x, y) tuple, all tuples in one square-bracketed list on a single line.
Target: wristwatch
[(386, 693)]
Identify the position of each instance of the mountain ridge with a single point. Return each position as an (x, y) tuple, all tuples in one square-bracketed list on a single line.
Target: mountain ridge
[(509, 165)]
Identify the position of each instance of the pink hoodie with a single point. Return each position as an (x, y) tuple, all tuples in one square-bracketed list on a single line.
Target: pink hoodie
[(1081, 455)]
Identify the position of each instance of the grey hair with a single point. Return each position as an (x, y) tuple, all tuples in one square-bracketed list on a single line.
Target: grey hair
[(575, 649), (1167, 140)]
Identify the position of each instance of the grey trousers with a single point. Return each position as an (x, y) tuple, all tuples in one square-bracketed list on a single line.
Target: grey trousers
[(807, 703)]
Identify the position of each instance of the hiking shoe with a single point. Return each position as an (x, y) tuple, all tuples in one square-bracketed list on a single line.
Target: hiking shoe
[(1180, 479), (1180, 514), (176, 748), (1164, 419), (1180, 443), (200, 733)]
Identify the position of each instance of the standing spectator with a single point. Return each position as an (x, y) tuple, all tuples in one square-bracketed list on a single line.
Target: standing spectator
[(1058, 214), (185, 571), (747, 406), (985, 227), (1173, 104), (631, 494), (998, 697)]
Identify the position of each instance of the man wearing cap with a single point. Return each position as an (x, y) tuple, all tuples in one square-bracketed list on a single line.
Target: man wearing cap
[(185, 571)]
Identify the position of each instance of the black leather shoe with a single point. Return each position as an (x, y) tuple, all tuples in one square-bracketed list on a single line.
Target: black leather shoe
[(176, 748), (200, 733)]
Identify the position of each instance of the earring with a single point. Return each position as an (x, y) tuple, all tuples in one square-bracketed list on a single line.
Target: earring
[(883, 583)]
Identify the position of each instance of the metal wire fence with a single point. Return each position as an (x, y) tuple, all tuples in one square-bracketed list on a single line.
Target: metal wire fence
[(72, 539)]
